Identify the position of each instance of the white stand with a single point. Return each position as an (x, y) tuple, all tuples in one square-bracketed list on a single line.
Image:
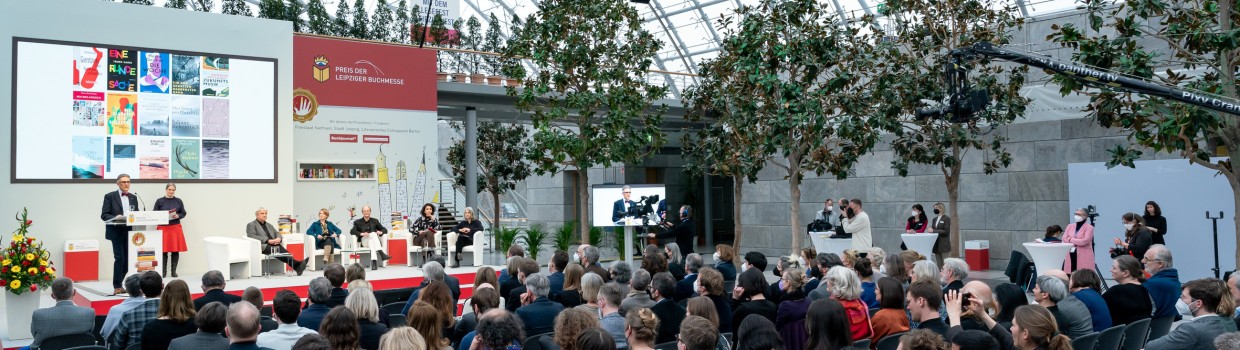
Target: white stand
[(628, 244), (1047, 256), (823, 242), (920, 242), (146, 241)]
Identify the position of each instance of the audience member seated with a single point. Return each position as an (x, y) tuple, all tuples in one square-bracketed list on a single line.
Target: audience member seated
[(654, 262), (702, 306), (710, 285), (588, 257), (924, 298), (516, 250), (829, 325), (958, 307), (453, 283), (590, 284), (1071, 315), (639, 293), (537, 311), (484, 299), (1210, 306), (1127, 300), (893, 266), (846, 288), (174, 320), (213, 286), (243, 327), (641, 326), (981, 291), (210, 335), (254, 296), (438, 296), (747, 299), (430, 322), (697, 333), (64, 318), (1087, 287), (525, 267), (755, 261), (676, 261), (340, 329), (876, 256), (922, 339), (595, 339), (334, 273), (955, 271), (687, 286), (312, 342), (621, 273), (555, 267), (362, 302), (570, 324), (668, 312), (724, 254), (890, 318), (354, 272), (1228, 341), (129, 331), (758, 333), (1164, 281), (974, 340), (508, 276), (570, 296), (926, 270), (1008, 297), (432, 272), (1234, 284), (862, 267), (909, 258), (499, 329), (815, 270), (609, 308), (402, 338), (1053, 234), (286, 307), (134, 290), (1034, 328), (320, 292), (790, 320)]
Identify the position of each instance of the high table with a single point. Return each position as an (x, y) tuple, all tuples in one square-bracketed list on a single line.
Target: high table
[(920, 242), (823, 242), (1047, 256)]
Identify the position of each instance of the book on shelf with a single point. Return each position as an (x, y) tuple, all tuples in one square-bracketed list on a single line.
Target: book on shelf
[(285, 224)]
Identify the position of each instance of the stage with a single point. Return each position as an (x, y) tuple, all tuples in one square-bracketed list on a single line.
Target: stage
[(388, 283)]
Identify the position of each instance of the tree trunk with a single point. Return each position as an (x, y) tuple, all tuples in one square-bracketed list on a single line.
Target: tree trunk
[(1235, 195), (794, 191), (737, 182), (953, 197), (497, 216), (583, 208)]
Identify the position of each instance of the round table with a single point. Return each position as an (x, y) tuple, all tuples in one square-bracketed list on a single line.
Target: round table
[(920, 242), (1047, 256), (824, 244)]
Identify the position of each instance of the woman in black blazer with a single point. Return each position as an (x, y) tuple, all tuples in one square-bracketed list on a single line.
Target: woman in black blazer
[(362, 302)]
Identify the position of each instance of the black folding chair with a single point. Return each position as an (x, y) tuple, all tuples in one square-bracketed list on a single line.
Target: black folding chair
[(1134, 335), (1086, 342), (1110, 338)]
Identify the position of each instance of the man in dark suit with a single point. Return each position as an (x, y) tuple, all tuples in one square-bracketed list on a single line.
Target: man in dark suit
[(115, 204), (334, 273), (588, 257), (453, 283), (525, 267), (432, 271), (924, 299), (620, 208), (269, 238), (684, 288), (213, 285), (320, 293), (243, 327), (210, 334), (559, 260), (538, 312), (62, 319), (669, 313), (683, 231)]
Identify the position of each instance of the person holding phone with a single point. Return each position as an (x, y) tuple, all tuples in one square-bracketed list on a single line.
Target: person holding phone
[(174, 237)]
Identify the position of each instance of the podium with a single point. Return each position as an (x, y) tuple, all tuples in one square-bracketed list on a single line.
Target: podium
[(145, 240)]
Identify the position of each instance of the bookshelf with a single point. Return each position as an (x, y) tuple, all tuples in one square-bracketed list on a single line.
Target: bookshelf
[(335, 171)]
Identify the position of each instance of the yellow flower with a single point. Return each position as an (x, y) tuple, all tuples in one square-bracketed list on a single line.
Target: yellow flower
[(42, 262), (18, 238), (32, 270), (30, 256), (15, 284), (17, 268), (51, 271), (6, 262)]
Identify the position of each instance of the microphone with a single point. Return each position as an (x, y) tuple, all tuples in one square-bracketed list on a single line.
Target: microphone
[(135, 195)]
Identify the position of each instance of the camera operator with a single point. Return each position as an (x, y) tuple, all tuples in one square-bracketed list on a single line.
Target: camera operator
[(683, 231), (857, 224), (824, 220)]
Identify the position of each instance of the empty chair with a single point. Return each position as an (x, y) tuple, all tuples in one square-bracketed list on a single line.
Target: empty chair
[(1110, 338), (891, 342), (863, 344), (1160, 327), (238, 256), (393, 308), (68, 341), (1134, 335), (1085, 342), (397, 320)]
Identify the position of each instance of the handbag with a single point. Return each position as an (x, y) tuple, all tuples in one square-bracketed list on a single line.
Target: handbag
[(1118, 251)]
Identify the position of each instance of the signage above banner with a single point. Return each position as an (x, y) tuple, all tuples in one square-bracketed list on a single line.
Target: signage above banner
[(358, 74)]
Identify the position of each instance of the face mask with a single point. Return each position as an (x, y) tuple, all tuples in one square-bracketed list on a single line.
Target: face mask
[(1183, 308), (716, 256), (936, 212), (696, 286), (914, 213), (684, 213), (744, 267), (828, 210), (1128, 227), (575, 258), (1077, 218)]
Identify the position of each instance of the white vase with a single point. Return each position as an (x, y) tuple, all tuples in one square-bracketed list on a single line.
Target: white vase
[(18, 311)]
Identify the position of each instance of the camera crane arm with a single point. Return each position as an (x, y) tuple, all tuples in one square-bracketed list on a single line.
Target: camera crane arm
[(1086, 75)]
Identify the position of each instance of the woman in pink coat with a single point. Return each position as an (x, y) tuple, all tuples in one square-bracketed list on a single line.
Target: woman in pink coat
[(1081, 235)]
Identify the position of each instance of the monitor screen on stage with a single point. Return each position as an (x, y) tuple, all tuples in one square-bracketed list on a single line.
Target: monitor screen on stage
[(614, 207), (85, 112)]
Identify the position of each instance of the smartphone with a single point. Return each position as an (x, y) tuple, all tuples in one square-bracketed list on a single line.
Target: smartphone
[(964, 301)]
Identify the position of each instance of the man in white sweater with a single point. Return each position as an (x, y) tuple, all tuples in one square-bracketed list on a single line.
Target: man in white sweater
[(857, 223), (287, 306)]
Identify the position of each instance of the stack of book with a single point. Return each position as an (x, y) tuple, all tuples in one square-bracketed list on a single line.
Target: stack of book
[(398, 221), (285, 224)]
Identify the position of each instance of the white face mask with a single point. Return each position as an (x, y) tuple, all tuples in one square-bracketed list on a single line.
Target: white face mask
[(1183, 308), (914, 213), (1077, 218), (744, 267), (716, 256), (696, 286), (1128, 227), (575, 257)]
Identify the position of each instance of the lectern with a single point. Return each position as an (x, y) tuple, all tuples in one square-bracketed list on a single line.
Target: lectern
[(145, 240)]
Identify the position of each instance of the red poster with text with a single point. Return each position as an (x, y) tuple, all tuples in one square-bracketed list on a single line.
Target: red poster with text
[(359, 74)]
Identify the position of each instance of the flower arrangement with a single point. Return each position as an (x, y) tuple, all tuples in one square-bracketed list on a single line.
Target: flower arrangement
[(26, 266)]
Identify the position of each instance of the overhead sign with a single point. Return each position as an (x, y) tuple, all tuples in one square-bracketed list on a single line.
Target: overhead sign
[(359, 74)]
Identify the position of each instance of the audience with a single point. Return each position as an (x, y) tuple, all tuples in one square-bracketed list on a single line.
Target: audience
[(953, 274), (747, 299), (499, 329), (687, 287), (570, 296), (926, 270), (508, 276), (907, 259), (569, 324), (254, 296), (668, 312), (621, 273), (1228, 341), (1127, 300), (1071, 315), (921, 339), (318, 296), (755, 261), (978, 290), (588, 256), (286, 307), (790, 320), (1087, 287), (354, 272), (401, 338), (334, 273), (312, 342), (639, 293), (876, 256), (243, 327), (525, 267), (676, 261), (1210, 306), (132, 322), (609, 308), (654, 262), (134, 290), (758, 333), (175, 318), (590, 284), (430, 322), (702, 306), (515, 250), (710, 285), (213, 288), (1234, 284), (863, 270), (775, 292), (340, 329), (1034, 328), (1008, 296), (559, 260), (974, 340), (828, 325), (484, 300), (210, 321), (484, 278), (362, 302), (595, 339), (438, 297), (538, 312), (890, 318), (432, 272), (999, 335), (924, 298), (846, 289), (640, 329), (724, 254), (696, 333), (816, 270), (64, 318), (1164, 281)]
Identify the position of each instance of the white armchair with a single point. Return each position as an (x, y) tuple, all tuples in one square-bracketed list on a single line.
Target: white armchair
[(479, 246), (418, 250), (314, 255), (349, 245), (239, 256)]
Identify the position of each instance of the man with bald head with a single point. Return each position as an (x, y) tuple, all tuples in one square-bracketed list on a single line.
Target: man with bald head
[(981, 291), (243, 326), (368, 231)]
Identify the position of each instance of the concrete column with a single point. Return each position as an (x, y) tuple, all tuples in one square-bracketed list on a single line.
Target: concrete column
[(471, 159), (707, 218)]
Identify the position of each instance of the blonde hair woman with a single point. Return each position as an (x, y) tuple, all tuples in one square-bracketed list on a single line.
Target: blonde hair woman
[(402, 338), (362, 302), (325, 235)]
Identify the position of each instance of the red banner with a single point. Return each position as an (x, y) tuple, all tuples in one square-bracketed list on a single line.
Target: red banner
[(375, 139), (346, 138), (359, 74)]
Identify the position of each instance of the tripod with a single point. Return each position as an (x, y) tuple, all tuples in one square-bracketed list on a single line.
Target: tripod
[(1215, 220)]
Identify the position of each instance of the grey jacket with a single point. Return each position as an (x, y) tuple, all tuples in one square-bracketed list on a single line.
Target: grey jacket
[(1196, 334), (200, 341), (62, 319), (1080, 323)]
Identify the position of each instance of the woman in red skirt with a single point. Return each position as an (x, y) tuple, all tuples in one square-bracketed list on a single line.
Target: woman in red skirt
[(174, 238)]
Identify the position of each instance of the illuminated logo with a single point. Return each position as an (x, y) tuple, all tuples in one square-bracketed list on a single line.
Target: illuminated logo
[(305, 105), (139, 239), (321, 69)]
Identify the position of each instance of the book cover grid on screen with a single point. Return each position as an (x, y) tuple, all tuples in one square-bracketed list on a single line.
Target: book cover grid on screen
[(612, 208), (87, 111)]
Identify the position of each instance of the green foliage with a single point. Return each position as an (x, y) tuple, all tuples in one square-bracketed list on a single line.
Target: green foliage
[(596, 236), (272, 9), (501, 162), (506, 237), (176, 4), (617, 237), (535, 238), (589, 100), (472, 39), (343, 14), (565, 236), (292, 13), (493, 42), (1139, 37), (381, 22), (236, 7), (438, 34), (361, 21), (319, 22), (400, 27)]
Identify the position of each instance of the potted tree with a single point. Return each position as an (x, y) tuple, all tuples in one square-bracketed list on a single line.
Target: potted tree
[(493, 44), (472, 40), (517, 27), (439, 36), (454, 41)]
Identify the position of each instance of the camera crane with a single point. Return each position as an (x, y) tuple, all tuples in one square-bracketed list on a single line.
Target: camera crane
[(965, 101)]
